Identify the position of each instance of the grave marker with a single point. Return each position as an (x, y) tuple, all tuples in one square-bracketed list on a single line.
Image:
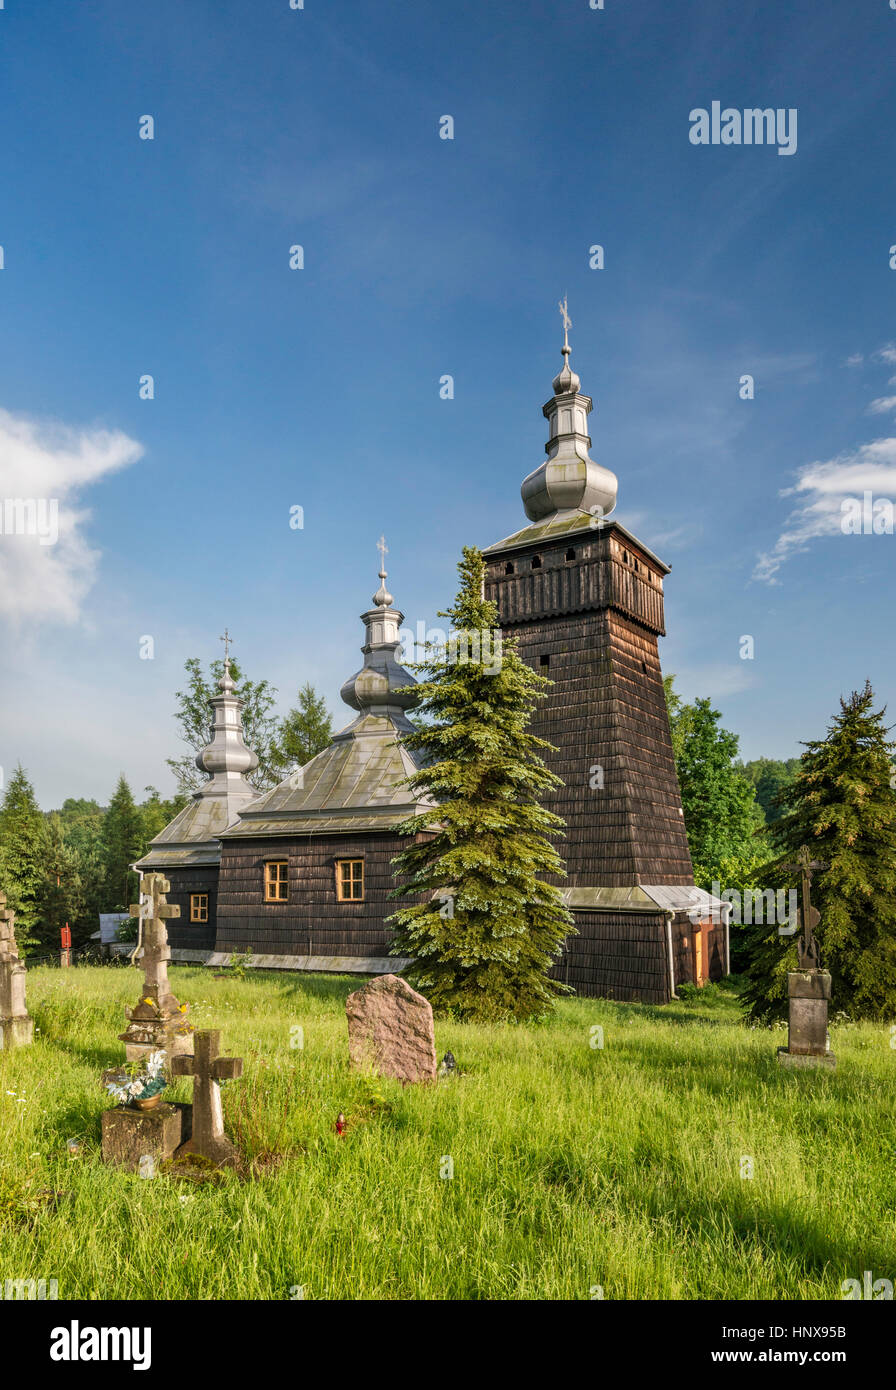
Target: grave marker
[(16, 1025)]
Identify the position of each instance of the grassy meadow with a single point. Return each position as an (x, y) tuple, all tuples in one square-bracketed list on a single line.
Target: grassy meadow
[(575, 1166)]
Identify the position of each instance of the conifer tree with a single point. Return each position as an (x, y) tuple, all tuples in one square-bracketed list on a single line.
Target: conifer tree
[(122, 844), (306, 730), (22, 853), (489, 927), (842, 804), (61, 897)]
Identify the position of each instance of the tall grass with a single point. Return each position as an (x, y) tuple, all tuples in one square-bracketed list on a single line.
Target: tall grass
[(575, 1167)]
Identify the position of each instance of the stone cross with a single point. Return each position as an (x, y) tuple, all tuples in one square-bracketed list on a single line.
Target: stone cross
[(152, 913), (16, 1027), (207, 1069), (810, 916), (151, 1023)]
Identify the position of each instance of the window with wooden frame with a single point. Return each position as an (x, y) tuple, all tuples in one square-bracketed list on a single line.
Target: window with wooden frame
[(276, 881), (350, 880), (199, 907)]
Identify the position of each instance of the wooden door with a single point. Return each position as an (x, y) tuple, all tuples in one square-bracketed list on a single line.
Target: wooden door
[(701, 962)]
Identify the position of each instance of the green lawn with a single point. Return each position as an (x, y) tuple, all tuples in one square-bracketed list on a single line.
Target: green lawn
[(574, 1166)]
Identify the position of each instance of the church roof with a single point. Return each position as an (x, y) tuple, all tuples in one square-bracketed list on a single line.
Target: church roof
[(351, 786)]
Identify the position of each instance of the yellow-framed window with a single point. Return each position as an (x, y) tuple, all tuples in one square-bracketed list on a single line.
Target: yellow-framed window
[(276, 881), (350, 880), (199, 907)]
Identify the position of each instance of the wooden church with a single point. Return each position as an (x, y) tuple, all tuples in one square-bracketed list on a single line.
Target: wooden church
[(301, 874)]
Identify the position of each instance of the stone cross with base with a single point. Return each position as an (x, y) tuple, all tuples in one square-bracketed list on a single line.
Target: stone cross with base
[(809, 988), (157, 1021), (16, 1026), (208, 1069)]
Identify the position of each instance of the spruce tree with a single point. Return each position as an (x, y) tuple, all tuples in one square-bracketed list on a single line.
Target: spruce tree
[(22, 854), (489, 927), (306, 730), (842, 804), (122, 845), (61, 897)]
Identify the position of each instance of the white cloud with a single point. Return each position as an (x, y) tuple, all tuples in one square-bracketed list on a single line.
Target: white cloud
[(886, 354), (882, 405), (822, 488), (855, 360), (50, 463)]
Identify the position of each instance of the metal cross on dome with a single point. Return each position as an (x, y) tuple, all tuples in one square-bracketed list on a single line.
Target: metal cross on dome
[(567, 321), (226, 639), (384, 551)]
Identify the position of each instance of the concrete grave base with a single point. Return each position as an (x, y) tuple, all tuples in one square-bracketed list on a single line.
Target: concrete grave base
[(806, 1059), (129, 1134), (16, 1032)]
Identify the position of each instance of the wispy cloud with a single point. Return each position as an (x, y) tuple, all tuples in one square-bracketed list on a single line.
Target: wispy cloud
[(822, 488), (45, 578)]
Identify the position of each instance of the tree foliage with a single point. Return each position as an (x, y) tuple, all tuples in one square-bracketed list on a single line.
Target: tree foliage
[(720, 811), (489, 927), (842, 805), (193, 715), (306, 730)]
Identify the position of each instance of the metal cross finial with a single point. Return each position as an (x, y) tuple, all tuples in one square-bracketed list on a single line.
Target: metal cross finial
[(811, 917), (567, 322), (226, 639), (384, 551)]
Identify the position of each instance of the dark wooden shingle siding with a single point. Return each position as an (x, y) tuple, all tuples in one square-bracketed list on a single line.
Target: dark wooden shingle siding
[(182, 933), (312, 922), (606, 714), (617, 955)]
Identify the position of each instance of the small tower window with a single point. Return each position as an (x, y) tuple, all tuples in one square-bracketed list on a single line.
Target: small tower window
[(644, 667), (536, 562), (508, 569), (199, 907), (544, 659), (350, 880), (276, 881), (570, 554)]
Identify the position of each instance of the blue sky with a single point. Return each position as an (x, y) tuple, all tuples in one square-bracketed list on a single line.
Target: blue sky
[(319, 388)]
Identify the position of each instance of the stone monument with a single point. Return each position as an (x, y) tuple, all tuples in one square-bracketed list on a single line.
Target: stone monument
[(16, 1026), (390, 1029), (809, 988), (208, 1069), (157, 1021)]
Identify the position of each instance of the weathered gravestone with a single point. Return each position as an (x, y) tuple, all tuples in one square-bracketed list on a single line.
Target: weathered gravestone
[(158, 1022), (132, 1135), (390, 1029), (809, 988), (16, 1026), (208, 1069)]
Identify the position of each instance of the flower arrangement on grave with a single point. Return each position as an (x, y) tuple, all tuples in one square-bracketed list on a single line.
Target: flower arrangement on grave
[(141, 1083)]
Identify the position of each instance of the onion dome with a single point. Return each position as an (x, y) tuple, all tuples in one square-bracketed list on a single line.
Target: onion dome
[(382, 687), (568, 480)]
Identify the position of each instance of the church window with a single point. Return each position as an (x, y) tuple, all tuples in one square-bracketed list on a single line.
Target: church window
[(508, 569), (350, 880), (544, 660), (570, 554), (536, 562), (199, 907), (276, 881)]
